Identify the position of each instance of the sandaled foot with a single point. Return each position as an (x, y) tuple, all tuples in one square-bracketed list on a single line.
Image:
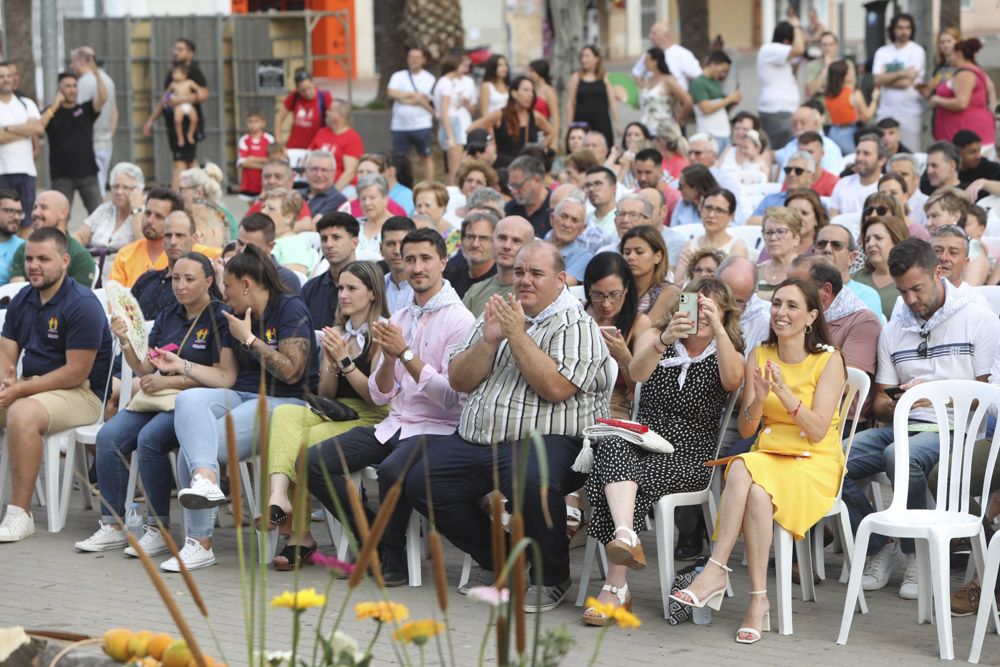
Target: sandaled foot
[(293, 556), (756, 620), (708, 588), (618, 596), (626, 550)]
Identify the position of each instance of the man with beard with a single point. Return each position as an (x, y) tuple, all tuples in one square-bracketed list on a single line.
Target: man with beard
[(153, 290), (61, 328), (51, 209), (851, 191), (11, 215), (140, 256), (510, 235), (648, 171), (525, 179), (474, 263)]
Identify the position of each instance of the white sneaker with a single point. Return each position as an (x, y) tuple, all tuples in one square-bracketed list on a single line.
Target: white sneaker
[(108, 536), (16, 525), (152, 542), (202, 494), (910, 590), (193, 555), (880, 567)]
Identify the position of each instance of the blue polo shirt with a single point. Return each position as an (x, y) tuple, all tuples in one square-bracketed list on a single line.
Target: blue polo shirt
[(576, 257), (73, 319), (206, 340), (321, 297), (286, 316)]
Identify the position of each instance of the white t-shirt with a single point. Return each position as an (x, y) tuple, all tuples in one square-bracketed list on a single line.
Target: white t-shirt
[(411, 116), (86, 88), (961, 347), (17, 156), (779, 91), (896, 102), (849, 194), (683, 65), (465, 90), (445, 87)]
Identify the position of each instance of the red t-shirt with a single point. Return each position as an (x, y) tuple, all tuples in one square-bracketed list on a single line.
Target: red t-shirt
[(306, 117), (347, 142), (252, 147)]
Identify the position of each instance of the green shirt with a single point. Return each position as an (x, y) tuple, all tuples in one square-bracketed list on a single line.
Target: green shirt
[(477, 296), (81, 264), (886, 294), (704, 88)]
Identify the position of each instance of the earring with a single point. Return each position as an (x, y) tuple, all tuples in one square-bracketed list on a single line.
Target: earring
[(245, 291), (809, 329)]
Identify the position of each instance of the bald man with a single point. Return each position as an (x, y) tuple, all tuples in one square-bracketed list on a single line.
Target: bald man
[(682, 63), (51, 209), (510, 234)]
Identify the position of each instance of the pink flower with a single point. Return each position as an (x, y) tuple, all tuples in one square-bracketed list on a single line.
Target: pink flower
[(490, 595), (332, 563)]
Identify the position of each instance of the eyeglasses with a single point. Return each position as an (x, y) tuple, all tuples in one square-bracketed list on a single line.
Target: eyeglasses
[(630, 215), (875, 210), (13, 212), (836, 245), (798, 170), (781, 232), (715, 210), (601, 297), (514, 187), (117, 187), (482, 239), (922, 348)]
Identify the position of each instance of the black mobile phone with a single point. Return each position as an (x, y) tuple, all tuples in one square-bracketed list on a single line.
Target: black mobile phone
[(894, 392)]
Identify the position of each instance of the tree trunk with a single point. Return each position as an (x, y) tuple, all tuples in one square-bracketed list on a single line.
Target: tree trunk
[(950, 14), (393, 46), (17, 16), (567, 23), (693, 15), (434, 25)]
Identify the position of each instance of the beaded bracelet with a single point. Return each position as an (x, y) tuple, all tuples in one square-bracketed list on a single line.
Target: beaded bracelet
[(796, 410)]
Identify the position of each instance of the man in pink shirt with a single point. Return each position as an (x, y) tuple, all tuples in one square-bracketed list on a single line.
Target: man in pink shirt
[(412, 378)]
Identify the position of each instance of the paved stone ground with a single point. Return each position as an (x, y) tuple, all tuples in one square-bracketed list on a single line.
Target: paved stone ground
[(47, 584)]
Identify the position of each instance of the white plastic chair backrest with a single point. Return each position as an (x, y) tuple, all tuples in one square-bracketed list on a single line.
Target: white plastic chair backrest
[(102, 296), (613, 375), (759, 189), (10, 290), (125, 393), (857, 386), (850, 220), (303, 278), (921, 160), (635, 401), (691, 231), (970, 402), (312, 238), (849, 158), (579, 293), (992, 295), (322, 266)]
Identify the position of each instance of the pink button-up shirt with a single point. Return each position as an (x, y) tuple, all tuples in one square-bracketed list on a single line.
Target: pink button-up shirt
[(428, 406)]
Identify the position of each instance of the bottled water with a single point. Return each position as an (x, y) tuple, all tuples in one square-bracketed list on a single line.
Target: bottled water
[(702, 616), (133, 521)]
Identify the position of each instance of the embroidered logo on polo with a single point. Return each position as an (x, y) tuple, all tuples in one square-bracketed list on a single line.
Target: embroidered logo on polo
[(53, 327), (200, 339), (271, 337)]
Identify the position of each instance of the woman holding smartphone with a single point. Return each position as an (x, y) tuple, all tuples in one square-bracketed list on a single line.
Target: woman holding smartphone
[(348, 352), (687, 376)]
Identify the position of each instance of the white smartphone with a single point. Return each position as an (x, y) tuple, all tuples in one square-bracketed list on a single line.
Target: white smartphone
[(689, 306)]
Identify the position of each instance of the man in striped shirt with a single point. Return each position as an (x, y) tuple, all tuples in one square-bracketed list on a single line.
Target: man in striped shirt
[(534, 364)]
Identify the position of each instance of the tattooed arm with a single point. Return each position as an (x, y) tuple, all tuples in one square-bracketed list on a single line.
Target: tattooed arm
[(287, 363)]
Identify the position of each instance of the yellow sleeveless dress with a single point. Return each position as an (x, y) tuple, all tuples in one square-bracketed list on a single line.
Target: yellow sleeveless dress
[(802, 489)]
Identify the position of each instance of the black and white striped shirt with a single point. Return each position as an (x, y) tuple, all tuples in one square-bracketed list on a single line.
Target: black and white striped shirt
[(505, 408)]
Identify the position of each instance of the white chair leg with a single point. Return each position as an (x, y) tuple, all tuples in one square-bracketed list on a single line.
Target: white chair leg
[(843, 523), (51, 466), (588, 564), (783, 577), (818, 535), (133, 480), (84, 472), (925, 602), (664, 514), (987, 604), (803, 555), (939, 569), (877, 499), (854, 582), (466, 571), (602, 561), (712, 512), (414, 549)]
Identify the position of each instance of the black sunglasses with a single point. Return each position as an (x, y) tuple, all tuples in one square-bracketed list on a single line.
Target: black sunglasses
[(836, 245), (922, 348), (875, 210), (798, 170)]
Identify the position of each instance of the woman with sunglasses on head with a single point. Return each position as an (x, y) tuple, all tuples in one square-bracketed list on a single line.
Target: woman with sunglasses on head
[(879, 235), (704, 263), (717, 209), (782, 233), (348, 352), (686, 380), (517, 124)]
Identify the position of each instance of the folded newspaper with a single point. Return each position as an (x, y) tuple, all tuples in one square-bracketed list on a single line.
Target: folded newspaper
[(630, 431)]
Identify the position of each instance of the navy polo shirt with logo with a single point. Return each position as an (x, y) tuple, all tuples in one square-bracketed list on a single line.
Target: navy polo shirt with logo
[(322, 298), (72, 319), (206, 340), (286, 316)]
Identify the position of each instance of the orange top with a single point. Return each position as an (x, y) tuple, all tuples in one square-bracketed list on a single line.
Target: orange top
[(841, 111), (133, 260)]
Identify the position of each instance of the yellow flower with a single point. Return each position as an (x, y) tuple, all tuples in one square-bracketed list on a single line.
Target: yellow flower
[(625, 618), (418, 632), (383, 612), (603, 608), (303, 599)]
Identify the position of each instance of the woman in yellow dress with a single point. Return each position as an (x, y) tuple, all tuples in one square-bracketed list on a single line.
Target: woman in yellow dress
[(797, 382)]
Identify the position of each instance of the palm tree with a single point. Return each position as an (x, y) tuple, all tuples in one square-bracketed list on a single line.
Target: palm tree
[(434, 25), (693, 16)]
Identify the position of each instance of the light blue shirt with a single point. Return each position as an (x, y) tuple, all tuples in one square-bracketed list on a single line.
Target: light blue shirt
[(577, 256), (7, 250), (869, 296), (397, 296), (833, 157), (685, 214), (403, 196)]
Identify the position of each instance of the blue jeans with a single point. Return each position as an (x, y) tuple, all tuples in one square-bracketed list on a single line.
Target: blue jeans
[(874, 452), (843, 136), (123, 435), (201, 431)]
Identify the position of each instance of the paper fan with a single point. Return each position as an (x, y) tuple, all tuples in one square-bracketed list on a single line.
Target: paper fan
[(123, 304)]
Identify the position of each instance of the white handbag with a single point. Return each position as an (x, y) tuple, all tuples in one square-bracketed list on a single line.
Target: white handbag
[(633, 432)]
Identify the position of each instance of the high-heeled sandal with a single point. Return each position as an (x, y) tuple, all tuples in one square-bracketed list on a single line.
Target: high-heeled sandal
[(625, 553), (593, 617), (754, 633), (713, 600), (294, 556)]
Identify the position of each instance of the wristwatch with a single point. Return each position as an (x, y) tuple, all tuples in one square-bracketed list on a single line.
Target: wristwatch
[(136, 209), (407, 356)]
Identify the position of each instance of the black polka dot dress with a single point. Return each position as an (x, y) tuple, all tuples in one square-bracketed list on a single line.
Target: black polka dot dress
[(688, 418)]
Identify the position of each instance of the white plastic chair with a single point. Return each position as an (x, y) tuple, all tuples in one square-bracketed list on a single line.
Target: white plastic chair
[(312, 238), (10, 290), (578, 293), (987, 606), (850, 220), (933, 529), (992, 295), (857, 386), (692, 231), (752, 236)]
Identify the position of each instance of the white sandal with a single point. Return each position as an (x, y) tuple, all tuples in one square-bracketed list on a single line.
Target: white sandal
[(593, 617), (754, 633), (713, 600)]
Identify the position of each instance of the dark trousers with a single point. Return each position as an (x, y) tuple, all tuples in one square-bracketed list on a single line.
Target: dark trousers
[(462, 472), (362, 449), (88, 187)]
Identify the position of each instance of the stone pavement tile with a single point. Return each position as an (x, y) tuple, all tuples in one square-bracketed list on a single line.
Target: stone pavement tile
[(47, 584)]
